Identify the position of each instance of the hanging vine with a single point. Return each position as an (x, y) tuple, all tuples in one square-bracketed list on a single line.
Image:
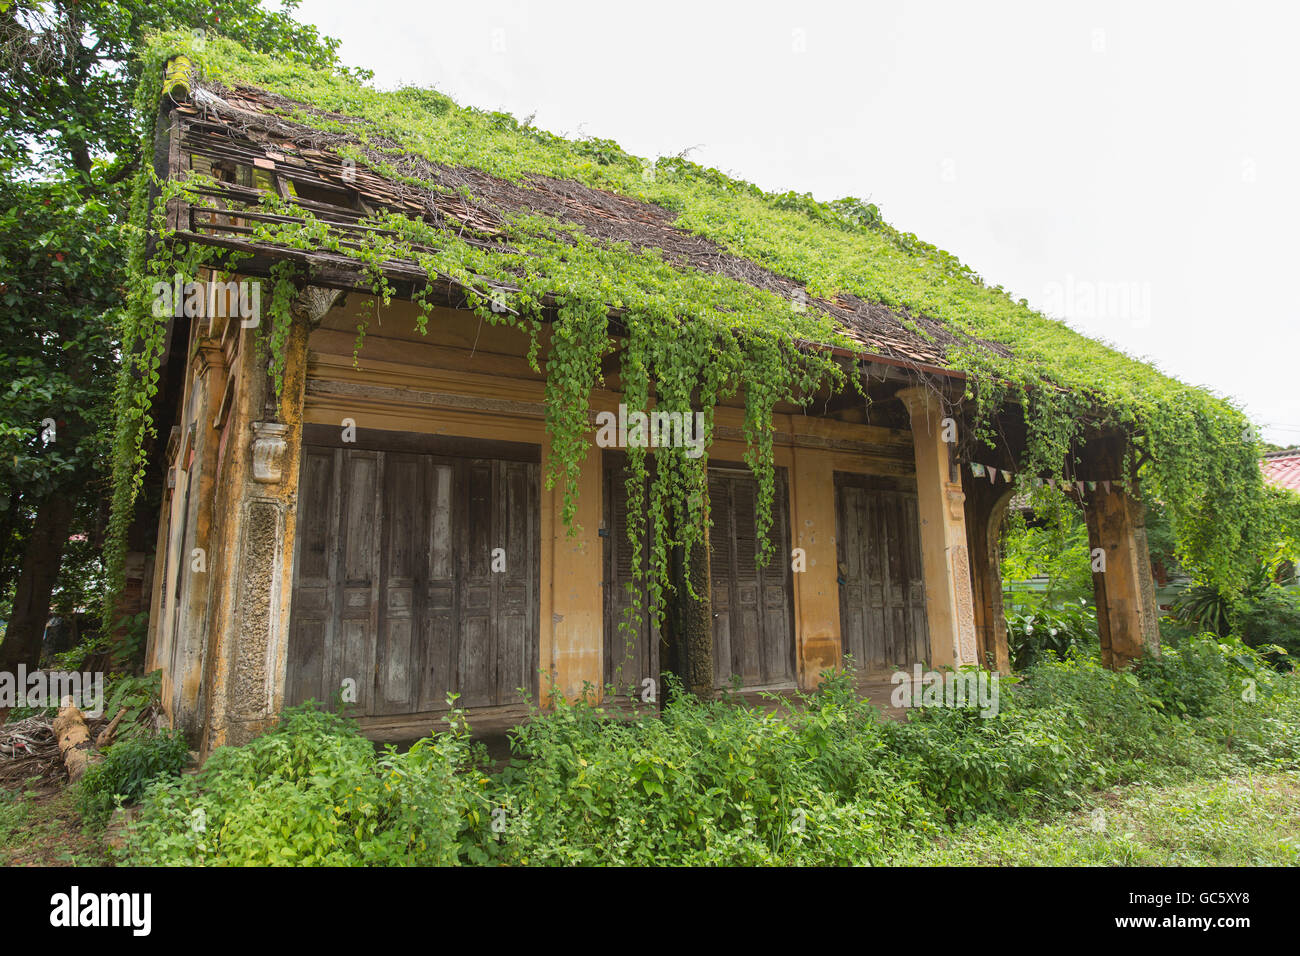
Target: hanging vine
[(686, 340)]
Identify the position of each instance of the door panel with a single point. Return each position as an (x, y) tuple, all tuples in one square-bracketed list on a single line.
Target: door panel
[(400, 566), (515, 598), (359, 549), (438, 606), (313, 624), (629, 658), (476, 638), (753, 619), (882, 590), (395, 584)]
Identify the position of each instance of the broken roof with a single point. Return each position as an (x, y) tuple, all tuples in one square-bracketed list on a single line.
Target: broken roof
[(247, 126), (477, 174)]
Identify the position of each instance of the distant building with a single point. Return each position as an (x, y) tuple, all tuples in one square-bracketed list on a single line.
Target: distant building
[(1282, 468)]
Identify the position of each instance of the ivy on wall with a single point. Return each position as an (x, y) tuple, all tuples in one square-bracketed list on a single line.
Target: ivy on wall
[(687, 340)]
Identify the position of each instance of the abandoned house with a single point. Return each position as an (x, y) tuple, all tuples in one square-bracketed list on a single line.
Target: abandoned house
[(377, 516)]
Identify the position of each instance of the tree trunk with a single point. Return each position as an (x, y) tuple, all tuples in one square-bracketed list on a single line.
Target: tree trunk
[(40, 571), (73, 735)]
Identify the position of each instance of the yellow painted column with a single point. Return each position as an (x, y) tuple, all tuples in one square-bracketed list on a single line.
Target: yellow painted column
[(817, 595), (572, 635), (1127, 615), (950, 606)]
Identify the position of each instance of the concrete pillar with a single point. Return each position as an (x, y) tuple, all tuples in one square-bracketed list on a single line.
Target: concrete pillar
[(817, 589), (695, 642), (986, 510), (941, 506), (1127, 615), (201, 446), (572, 606), (250, 627)]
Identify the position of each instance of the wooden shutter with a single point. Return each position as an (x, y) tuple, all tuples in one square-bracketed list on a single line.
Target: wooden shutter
[(629, 658), (882, 592), (394, 581), (753, 626)]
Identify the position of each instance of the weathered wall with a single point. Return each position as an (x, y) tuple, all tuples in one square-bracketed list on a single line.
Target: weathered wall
[(251, 561), (464, 378)]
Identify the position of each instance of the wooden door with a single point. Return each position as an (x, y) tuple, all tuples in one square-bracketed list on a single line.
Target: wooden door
[(416, 576), (753, 611), (882, 587), (629, 657)]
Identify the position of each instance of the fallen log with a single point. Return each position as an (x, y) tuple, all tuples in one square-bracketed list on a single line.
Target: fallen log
[(73, 735)]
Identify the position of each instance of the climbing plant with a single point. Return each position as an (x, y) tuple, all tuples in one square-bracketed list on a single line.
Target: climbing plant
[(687, 340)]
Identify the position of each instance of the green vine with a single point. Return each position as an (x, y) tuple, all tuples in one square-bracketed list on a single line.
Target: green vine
[(688, 340)]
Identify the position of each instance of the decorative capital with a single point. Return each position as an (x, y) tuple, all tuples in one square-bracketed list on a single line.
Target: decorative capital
[(207, 355), (313, 302), (956, 502), (924, 404), (269, 447), (916, 398)]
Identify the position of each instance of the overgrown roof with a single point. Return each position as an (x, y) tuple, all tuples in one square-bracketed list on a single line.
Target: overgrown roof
[(226, 123), (891, 292), (477, 196)]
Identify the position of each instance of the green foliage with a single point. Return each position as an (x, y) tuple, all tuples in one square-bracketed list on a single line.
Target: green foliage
[(1249, 820), (688, 340), (128, 767), (1050, 543), (710, 782), (1051, 631), (719, 782), (70, 69), (1265, 614), (57, 271), (1205, 606), (135, 695), (1271, 624), (1186, 674), (314, 792), (70, 149)]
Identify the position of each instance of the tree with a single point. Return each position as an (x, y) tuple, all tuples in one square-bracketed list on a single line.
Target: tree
[(68, 148), (57, 270)]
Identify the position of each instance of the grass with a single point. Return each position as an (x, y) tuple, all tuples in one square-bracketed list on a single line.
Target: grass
[(42, 827), (1250, 820)]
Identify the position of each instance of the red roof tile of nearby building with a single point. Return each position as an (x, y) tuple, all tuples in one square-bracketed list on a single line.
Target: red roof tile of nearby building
[(1282, 468)]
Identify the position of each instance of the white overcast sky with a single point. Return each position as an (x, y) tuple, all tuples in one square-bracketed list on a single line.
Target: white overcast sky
[(1133, 168)]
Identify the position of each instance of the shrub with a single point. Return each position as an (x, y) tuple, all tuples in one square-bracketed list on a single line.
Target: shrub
[(1271, 623), (709, 782), (719, 782), (1051, 631), (128, 767), (313, 791), (1193, 677)]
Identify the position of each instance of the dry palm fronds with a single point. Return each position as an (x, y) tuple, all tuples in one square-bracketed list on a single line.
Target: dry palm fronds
[(28, 749)]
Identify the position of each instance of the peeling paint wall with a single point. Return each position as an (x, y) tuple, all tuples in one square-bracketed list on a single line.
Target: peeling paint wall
[(465, 378)]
